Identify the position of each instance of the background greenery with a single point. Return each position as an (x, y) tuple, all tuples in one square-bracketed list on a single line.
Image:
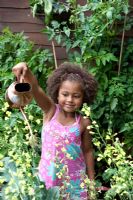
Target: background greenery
[(95, 42)]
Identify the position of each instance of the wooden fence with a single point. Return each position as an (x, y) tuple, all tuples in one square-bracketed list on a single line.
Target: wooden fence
[(16, 14)]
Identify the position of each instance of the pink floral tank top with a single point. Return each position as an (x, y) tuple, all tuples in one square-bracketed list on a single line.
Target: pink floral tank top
[(62, 162)]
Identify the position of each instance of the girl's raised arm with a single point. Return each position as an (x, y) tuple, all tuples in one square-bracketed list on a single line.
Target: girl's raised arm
[(22, 72)]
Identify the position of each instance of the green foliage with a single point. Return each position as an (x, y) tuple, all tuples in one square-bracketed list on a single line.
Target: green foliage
[(44, 5), (19, 149), (110, 152), (15, 48), (95, 28), (90, 36)]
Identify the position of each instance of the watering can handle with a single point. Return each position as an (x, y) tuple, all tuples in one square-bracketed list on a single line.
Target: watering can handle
[(20, 80)]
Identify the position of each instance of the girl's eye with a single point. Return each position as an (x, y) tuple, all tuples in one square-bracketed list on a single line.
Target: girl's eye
[(77, 97), (74, 96), (65, 94)]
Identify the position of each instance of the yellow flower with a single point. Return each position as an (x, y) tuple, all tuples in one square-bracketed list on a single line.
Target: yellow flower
[(1, 156), (57, 166), (82, 185), (29, 174), (7, 190), (6, 118), (63, 149), (2, 181), (31, 191), (18, 162), (92, 132), (6, 106), (28, 165), (26, 127), (31, 117), (38, 121), (62, 187), (65, 167), (14, 198), (8, 113), (1, 164), (68, 156), (87, 181), (94, 122), (11, 182), (85, 117), (41, 186), (96, 125), (89, 127), (59, 176)]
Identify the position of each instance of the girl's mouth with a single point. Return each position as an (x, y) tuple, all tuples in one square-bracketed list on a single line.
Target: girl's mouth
[(69, 105)]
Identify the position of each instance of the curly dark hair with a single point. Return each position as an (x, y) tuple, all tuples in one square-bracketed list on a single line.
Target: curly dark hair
[(70, 71)]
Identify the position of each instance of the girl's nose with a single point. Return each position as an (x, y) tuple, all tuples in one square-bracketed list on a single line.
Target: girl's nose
[(70, 98)]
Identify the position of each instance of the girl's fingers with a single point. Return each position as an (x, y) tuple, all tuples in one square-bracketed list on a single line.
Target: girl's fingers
[(25, 69), (20, 70)]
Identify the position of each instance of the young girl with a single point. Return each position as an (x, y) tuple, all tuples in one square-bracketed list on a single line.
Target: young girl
[(67, 153)]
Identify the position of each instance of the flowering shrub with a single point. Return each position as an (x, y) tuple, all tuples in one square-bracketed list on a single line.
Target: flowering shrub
[(119, 166), (19, 145)]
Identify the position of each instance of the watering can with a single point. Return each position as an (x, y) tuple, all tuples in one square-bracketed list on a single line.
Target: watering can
[(19, 94)]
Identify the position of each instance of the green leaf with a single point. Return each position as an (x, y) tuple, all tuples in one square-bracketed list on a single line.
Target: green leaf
[(55, 24), (58, 38), (66, 31), (125, 9), (34, 10), (99, 113), (114, 103), (103, 80), (98, 61), (48, 6), (109, 14), (76, 43), (109, 173)]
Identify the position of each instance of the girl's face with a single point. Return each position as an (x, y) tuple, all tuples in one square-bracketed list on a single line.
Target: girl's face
[(70, 96)]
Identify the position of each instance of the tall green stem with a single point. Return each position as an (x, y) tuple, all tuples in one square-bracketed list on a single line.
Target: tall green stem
[(122, 43)]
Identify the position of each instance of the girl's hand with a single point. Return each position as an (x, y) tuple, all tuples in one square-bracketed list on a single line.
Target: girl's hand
[(24, 74), (20, 70)]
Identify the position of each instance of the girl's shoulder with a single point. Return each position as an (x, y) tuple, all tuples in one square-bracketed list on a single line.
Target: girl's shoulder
[(47, 117)]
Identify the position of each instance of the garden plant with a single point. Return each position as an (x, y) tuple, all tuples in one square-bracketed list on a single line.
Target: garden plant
[(94, 37)]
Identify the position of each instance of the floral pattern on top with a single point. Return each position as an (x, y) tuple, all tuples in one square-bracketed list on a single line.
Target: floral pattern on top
[(62, 162)]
